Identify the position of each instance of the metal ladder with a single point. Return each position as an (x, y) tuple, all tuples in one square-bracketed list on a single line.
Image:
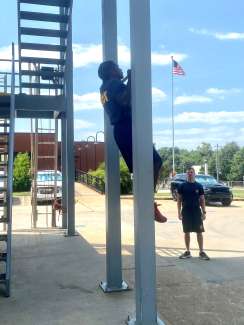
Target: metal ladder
[(7, 122), (38, 141)]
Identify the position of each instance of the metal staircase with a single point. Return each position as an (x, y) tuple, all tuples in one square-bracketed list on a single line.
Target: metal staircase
[(47, 57), (45, 91), (44, 38), (7, 121)]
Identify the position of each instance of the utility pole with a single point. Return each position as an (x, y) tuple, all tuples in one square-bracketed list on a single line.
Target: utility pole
[(217, 162), (206, 167)]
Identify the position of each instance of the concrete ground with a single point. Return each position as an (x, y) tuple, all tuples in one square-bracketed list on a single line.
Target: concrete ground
[(55, 279)]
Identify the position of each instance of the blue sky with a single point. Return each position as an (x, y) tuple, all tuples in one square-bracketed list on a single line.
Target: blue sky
[(205, 37)]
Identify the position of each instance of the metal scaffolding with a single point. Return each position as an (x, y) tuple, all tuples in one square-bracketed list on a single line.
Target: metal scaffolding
[(7, 121), (45, 92)]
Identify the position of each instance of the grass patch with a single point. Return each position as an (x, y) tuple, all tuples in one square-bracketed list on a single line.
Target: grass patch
[(21, 194), (238, 194), (163, 195)]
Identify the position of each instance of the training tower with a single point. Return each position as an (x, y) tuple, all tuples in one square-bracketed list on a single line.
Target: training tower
[(41, 88)]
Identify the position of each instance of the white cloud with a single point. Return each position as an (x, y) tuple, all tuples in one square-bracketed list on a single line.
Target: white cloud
[(90, 101), (82, 124), (158, 95), (5, 53), (87, 101), (218, 35), (211, 118), (165, 59), (222, 92), (192, 137), (229, 36), (181, 100), (86, 54)]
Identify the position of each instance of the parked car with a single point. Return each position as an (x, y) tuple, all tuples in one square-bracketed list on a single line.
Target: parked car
[(45, 185), (213, 190)]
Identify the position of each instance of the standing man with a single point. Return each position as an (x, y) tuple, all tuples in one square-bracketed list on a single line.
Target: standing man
[(116, 100), (192, 212)]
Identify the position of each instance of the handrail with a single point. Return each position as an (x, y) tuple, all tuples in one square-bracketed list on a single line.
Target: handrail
[(7, 84), (8, 60), (94, 182), (10, 169)]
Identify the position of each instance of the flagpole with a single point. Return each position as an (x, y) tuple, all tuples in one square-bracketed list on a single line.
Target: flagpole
[(173, 122)]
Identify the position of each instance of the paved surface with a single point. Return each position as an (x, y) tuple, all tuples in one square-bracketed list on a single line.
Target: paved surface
[(55, 279)]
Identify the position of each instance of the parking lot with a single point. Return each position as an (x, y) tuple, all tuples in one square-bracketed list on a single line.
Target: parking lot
[(48, 268)]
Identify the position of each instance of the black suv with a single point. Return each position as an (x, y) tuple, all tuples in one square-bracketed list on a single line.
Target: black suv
[(213, 191)]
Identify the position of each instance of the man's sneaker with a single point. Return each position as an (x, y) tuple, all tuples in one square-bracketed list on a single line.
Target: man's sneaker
[(204, 256), (186, 254), (158, 215)]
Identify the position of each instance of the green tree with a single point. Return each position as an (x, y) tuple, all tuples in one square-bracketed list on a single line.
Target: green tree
[(205, 151), (166, 155), (21, 173), (212, 167), (226, 156), (187, 159), (125, 178), (237, 166)]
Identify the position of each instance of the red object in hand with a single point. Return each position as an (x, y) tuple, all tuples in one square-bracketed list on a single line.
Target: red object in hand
[(158, 215), (57, 205)]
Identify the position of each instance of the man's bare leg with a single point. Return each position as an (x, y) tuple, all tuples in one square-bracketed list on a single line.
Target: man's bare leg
[(187, 241), (200, 241)]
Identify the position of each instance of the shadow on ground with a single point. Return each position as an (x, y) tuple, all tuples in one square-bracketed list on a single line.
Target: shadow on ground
[(55, 281)]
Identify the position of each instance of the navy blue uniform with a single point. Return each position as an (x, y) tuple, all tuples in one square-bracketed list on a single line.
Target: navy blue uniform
[(191, 212), (119, 113)]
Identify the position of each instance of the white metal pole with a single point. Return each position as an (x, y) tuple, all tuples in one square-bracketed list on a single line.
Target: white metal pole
[(70, 172), (145, 263), (217, 162), (114, 280), (172, 116)]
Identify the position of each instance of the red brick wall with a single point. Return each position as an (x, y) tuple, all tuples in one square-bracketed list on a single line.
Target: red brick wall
[(87, 155)]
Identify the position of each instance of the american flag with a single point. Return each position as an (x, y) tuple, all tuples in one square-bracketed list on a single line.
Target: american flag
[(177, 69)]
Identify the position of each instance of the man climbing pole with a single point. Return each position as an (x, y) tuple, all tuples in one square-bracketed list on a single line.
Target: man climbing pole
[(116, 100)]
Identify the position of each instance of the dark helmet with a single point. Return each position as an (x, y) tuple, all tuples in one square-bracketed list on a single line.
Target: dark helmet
[(105, 68)]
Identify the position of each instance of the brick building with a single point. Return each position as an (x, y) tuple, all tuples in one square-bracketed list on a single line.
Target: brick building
[(87, 155)]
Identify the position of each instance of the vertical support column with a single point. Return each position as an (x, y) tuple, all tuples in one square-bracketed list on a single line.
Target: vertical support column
[(63, 144), (10, 178), (145, 264), (70, 167), (114, 280), (35, 169), (64, 176)]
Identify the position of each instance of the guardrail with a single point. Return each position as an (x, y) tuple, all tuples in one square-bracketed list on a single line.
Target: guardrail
[(5, 75), (239, 184), (93, 182)]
